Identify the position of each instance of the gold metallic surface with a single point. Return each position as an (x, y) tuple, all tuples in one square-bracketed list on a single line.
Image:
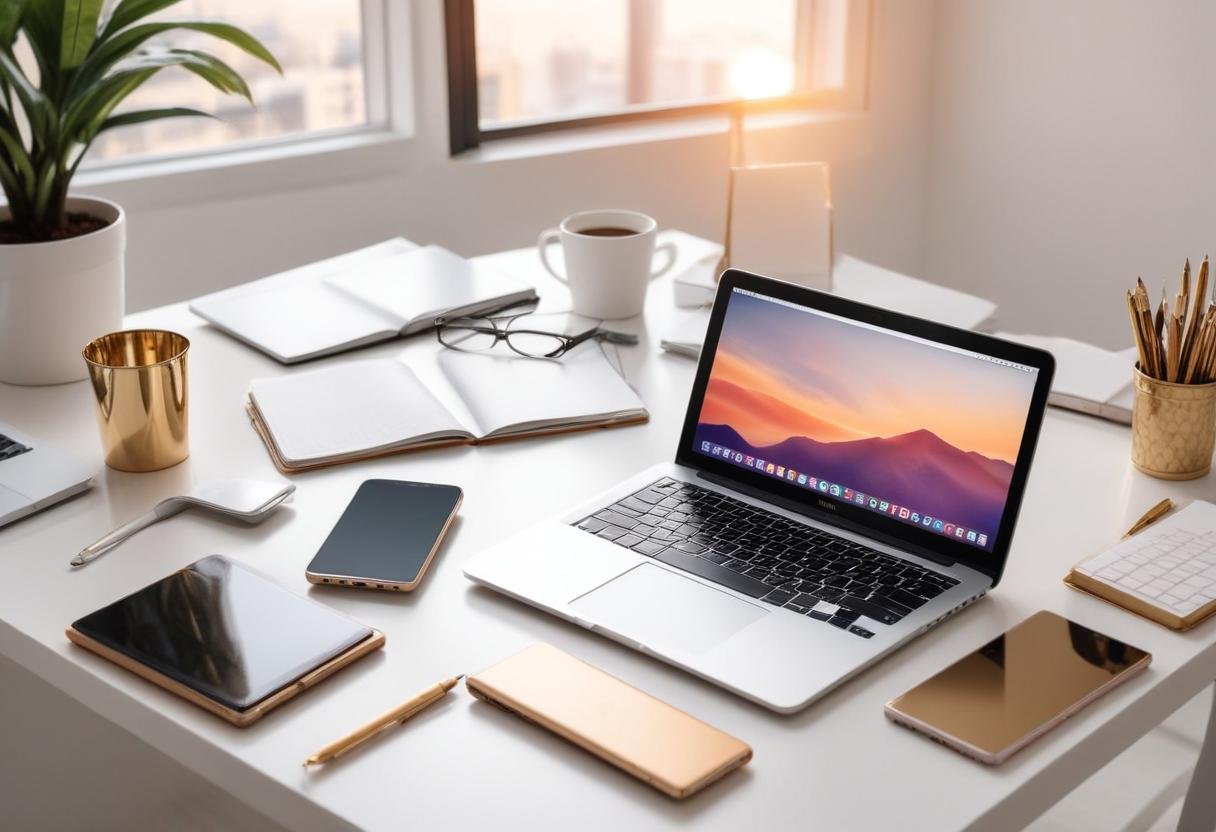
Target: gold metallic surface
[(1173, 428), (1019, 686), (139, 382)]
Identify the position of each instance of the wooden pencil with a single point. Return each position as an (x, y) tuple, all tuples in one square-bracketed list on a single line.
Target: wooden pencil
[(1156, 351), (1197, 312), (1205, 373), (1173, 353), (1159, 320), (1137, 335), (1202, 348)]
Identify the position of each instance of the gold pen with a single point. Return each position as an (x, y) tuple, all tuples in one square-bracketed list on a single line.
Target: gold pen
[(396, 716), (1151, 516)]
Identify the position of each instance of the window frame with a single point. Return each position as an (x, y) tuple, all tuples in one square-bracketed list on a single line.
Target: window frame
[(382, 112), (465, 133)]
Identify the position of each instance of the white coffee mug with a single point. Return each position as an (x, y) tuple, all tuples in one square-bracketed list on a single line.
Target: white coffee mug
[(609, 258)]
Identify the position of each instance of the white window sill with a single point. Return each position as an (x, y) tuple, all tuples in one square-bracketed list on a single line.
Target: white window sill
[(232, 174), (375, 153), (577, 140)]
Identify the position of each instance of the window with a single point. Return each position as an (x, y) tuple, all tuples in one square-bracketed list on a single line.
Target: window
[(323, 89), (520, 66)]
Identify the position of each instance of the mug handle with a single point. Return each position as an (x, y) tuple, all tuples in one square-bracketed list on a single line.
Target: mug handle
[(668, 248), (546, 239)]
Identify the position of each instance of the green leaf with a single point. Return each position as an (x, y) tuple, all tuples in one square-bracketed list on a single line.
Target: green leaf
[(129, 11), (42, 196), (43, 26), (84, 117), (15, 153), (114, 49), (10, 16), (140, 116), (216, 73), (79, 30), (38, 109)]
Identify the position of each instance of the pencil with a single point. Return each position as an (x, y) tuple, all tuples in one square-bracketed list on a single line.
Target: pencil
[(1155, 357), (396, 716), (1197, 311), (1204, 369), (1159, 320), (1173, 353), (1151, 516), (1137, 335)]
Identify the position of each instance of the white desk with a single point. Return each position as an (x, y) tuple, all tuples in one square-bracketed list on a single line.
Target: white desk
[(840, 764)]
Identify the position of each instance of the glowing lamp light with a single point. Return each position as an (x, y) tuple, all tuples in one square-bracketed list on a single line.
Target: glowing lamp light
[(761, 74)]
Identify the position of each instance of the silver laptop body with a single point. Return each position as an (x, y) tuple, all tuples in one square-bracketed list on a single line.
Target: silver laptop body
[(35, 475), (779, 587)]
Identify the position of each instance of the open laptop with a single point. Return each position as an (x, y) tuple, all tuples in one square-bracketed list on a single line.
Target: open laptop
[(846, 478), (34, 475)]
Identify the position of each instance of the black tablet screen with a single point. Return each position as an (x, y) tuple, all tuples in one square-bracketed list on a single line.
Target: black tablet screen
[(224, 631)]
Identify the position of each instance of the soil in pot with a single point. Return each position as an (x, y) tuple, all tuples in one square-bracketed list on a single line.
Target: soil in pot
[(78, 223)]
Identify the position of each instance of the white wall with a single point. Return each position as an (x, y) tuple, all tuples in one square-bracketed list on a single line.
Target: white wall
[(181, 245), (1071, 150)]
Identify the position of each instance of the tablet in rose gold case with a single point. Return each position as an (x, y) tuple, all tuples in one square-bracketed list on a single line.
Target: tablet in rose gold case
[(643, 736), (225, 638), (1017, 687)]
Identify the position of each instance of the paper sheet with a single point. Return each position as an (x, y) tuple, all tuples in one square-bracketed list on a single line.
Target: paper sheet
[(1083, 371), (348, 408), (509, 393)]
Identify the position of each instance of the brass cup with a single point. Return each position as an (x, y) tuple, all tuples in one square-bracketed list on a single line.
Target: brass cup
[(139, 380), (1173, 428)]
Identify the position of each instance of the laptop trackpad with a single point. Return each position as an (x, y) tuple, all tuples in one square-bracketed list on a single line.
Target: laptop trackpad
[(658, 608)]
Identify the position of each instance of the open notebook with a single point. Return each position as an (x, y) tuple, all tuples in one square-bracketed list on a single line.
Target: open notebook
[(365, 409), (1088, 379), (374, 294)]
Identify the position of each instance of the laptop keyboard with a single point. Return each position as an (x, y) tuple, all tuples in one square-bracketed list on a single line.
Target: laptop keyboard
[(10, 448), (766, 556)]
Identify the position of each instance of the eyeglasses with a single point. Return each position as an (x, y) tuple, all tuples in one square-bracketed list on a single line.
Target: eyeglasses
[(477, 334)]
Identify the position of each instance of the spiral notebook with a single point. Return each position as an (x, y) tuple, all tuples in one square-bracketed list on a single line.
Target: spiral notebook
[(365, 409)]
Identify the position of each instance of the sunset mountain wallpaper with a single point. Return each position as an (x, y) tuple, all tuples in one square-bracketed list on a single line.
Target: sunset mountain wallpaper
[(928, 428)]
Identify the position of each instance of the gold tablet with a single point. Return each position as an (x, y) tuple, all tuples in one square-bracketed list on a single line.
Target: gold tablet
[(643, 736), (225, 638), (1017, 687)]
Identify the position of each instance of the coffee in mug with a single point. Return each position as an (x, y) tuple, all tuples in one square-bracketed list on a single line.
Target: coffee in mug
[(609, 260), (608, 231)]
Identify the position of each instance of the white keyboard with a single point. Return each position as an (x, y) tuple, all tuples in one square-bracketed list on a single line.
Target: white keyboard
[(1172, 567)]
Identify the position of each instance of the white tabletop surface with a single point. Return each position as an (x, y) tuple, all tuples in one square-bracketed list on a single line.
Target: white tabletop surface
[(837, 765)]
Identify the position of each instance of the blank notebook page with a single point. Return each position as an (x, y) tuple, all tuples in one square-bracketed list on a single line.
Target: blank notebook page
[(424, 282), (506, 393), (349, 408)]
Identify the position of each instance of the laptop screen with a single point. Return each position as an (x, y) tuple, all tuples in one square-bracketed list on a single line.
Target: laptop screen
[(922, 432)]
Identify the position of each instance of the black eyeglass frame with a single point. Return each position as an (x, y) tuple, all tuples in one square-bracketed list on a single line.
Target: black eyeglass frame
[(504, 333)]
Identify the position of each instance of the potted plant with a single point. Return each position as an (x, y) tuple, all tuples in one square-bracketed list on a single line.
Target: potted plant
[(61, 255)]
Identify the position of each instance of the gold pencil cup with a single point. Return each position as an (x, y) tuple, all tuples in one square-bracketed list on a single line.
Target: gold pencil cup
[(139, 381), (1173, 428)]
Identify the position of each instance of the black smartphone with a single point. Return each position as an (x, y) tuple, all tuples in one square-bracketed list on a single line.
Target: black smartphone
[(387, 536)]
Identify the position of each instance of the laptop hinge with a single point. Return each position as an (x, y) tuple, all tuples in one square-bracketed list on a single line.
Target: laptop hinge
[(829, 519)]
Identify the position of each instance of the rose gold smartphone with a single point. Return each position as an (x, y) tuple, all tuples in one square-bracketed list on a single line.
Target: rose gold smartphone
[(643, 736), (1017, 687)]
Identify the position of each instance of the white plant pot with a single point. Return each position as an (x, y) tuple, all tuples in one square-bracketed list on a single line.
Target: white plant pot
[(57, 296)]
